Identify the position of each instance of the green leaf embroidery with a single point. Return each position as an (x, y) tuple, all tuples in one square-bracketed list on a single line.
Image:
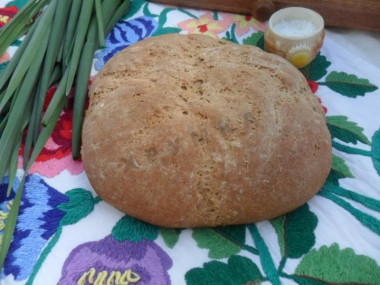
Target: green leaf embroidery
[(376, 151), (295, 231), (80, 204), (317, 68), (348, 84), (170, 236), (338, 266), (220, 241), (128, 228), (345, 130), (239, 270), (339, 169), (256, 39)]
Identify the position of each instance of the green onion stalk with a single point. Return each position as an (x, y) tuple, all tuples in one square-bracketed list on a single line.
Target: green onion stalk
[(58, 46)]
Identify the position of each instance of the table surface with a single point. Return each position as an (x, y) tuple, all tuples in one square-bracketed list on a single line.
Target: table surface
[(66, 234)]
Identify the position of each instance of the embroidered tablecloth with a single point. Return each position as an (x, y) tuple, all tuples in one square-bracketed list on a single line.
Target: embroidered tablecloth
[(66, 234)]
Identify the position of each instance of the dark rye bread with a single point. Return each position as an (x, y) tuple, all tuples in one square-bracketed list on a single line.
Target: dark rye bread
[(190, 131)]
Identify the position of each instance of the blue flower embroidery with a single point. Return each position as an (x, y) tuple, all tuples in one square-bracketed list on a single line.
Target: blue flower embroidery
[(124, 34), (38, 220)]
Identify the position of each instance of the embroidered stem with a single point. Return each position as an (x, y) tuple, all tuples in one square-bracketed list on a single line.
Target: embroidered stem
[(350, 150), (215, 15), (187, 13), (251, 249), (282, 265), (292, 277), (265, 256), (233, 35), (97, 199), (367, 220), (43, 256), (370, 203)]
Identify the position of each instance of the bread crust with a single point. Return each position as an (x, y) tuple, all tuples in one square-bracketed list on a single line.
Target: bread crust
[(191, 131)]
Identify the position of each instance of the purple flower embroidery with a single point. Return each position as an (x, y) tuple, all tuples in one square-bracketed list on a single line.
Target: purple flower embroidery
[(143, 262), (124, 34)]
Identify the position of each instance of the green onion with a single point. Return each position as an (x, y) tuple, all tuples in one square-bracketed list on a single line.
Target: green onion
[(55, 75), (61, 39), (31, 51), (70, 30), (13, 214), (8, 71), (4, 121), (99, 19), (44, 135), (11, 223), (84, 71), (29, 136), (122, 10), (14, 157), (13, 164), (83, 22), (56, 100), (15, 118), (35, 120), (9, 33), (56, 40)]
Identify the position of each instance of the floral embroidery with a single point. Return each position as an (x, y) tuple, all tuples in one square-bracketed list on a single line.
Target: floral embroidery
[(6, 14), (109, 259), (206, 24), (123, 35), (244, 23), (31, 234)]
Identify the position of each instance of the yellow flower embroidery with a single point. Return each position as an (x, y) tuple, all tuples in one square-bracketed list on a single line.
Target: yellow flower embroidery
[(205, 25)]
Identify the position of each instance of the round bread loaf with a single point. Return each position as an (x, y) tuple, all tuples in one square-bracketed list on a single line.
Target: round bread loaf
[(190, 131)]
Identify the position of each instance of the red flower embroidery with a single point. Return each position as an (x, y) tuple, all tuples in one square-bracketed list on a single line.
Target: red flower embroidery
[(206, 25), (61, 137), (314, 87), (59, 144), (6, 14)]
